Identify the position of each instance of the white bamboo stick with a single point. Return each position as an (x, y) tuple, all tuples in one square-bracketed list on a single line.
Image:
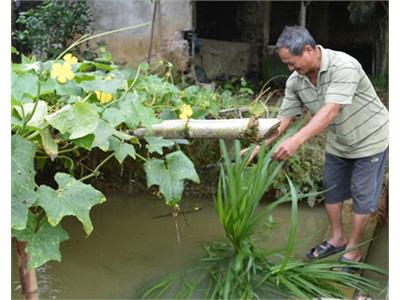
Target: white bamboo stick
[(213, 129)]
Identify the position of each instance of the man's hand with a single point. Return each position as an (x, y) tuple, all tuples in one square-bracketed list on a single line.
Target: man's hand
[(255, 152), (287, 148), (318, 123), (285, 123)]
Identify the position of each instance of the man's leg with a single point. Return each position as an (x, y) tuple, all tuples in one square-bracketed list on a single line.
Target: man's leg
[(334, 212), (367, 179), (358, 224), (337, 179)]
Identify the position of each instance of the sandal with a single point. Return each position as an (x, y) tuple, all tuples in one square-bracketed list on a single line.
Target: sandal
[(348, 269), (323, 250)]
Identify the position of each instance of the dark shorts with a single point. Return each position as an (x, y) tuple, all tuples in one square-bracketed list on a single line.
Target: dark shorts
[(360, 179)]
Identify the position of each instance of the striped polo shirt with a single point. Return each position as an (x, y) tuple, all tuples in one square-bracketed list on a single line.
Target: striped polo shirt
[(361, 127)]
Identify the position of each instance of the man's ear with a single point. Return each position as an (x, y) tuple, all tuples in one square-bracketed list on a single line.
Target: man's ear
[(308, 48)]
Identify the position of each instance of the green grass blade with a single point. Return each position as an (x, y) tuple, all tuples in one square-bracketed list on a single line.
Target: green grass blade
[(293, 226)]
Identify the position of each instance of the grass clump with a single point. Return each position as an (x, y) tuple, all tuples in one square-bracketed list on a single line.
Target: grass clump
[(240, 270)]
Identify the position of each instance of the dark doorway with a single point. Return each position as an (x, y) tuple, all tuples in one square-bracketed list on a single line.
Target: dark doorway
[(217, 20), (328, 21)]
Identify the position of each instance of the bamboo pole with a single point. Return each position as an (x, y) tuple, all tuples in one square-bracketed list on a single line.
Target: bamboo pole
[(27, 276), (249, 128)]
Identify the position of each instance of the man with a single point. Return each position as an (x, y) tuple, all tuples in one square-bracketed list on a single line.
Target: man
[(334, 88)]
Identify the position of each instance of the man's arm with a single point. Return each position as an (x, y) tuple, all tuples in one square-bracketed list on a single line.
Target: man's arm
[(285, 123), (315, 126)]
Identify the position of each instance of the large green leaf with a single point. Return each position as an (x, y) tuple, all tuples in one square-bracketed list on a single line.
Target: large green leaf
[(23, 193), (104, 85), (136, 113), (24, 84), (156, 143), (37, 120), (127, 137), (102, 136), (22, 154), (72, 198), (114, 116), (36, 66), (43, 241), (168, 114), (84, 142), (48, 86), (122, 149), (170, 174), (70, 88), (78, 120), (90, 65), (21, 200)]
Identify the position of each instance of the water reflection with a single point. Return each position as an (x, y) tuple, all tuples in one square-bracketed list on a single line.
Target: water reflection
[(47, 283)]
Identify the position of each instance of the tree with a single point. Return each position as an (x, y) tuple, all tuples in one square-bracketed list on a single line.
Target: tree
[(374, 13), (47, 29)]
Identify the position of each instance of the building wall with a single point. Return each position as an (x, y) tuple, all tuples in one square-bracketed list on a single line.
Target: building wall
[(132, 46), (221, 59)]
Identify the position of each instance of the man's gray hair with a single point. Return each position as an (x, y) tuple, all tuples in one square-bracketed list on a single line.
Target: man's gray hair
[(295, 38)]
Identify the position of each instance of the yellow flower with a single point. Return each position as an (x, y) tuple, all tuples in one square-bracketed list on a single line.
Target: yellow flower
[(103, 96), (109, 77), (62, 72), (186, 112), (69, 58)]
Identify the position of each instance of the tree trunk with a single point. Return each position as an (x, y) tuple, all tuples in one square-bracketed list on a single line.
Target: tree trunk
[(266, 6), (382, 47), (27, 276), (253, 129), (302, 13)]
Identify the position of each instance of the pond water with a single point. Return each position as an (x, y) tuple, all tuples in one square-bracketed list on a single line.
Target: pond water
[(129, 247)]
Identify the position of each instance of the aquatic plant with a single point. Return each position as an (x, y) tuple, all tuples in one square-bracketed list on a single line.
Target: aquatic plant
[(239, 269)]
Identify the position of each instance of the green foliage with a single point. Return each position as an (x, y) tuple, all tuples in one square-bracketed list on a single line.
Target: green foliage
[(381, 85), (156, 143), (61, 110), (169, 175), (72, 198), (43, 240), (77, 120), (237, 86), (240, 190), (23, 84), (240, 270), (47, 29), (135, 113), (305, 168), (23, 180)]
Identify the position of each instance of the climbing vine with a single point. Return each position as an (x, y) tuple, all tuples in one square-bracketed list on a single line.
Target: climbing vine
[(64, 107)]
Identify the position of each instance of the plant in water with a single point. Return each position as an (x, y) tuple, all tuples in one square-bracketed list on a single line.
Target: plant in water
[(239, 269)]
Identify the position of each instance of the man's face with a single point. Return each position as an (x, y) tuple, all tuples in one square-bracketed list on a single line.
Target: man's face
[(302, 64)]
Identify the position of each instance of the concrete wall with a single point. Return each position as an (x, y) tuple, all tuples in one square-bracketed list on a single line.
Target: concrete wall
[(222, 58), (131, 46)]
